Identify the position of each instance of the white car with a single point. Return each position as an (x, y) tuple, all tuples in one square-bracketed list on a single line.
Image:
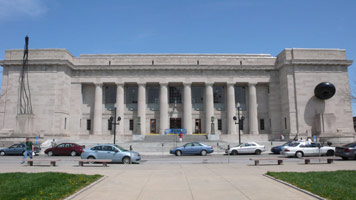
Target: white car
[(300, 149), (246, 148)]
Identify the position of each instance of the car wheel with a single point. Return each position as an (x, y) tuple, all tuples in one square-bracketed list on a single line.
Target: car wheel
[(2, 153), (234, 152), (50, 153), (344, 158), (126, 160), (73, 153), (258, 152), (178, 153), (91, 158), (299, 154), (330, 153), (203, 153)]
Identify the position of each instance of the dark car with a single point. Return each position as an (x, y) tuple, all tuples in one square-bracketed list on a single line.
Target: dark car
[(347, 151), (192, 148), (65, 149), (17, 149), (278, 149)]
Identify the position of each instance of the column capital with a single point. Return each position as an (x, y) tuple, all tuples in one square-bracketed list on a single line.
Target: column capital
[(187, 84), (141, 84), (252, 83), (163, 84), (120, 84), (230, 84), (209, 83), (98, 84)]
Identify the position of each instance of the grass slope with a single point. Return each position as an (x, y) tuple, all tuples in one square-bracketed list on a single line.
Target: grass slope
[(330, 185), (48, 185)]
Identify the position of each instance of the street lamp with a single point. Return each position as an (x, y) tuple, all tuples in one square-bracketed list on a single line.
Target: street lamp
[(239, 120), (212, 125), (114, 123)]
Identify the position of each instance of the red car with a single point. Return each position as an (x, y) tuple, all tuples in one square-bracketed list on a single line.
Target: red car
[(65, 149)]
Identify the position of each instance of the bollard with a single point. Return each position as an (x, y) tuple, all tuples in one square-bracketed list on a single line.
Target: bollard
[(130, 154), (162, 148), (228, 154)]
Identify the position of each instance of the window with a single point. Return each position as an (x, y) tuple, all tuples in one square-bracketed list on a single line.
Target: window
[(241, 124), (88, 124), (61, 145), (97, 148), (109, 125), (240, 97), (108, 148), (219, 124), (175, 95), (197, 95), (110, 94), (218, 94), (65, 123), (285, 123), (131, 124), (153, 95), (262, 124), (131, 94)]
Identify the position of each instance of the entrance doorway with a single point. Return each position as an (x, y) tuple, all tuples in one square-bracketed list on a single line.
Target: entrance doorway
[(197, 126), (175, 123), (153, 126)]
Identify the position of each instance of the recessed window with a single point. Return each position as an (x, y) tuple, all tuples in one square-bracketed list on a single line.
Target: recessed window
[(219, 124), (175, 95), (218, 94), (285, 123), (153, 95), (131, 125), (262, 124), (131, 94), (88, 124), (240, 97), (197, 95), (110, 94)]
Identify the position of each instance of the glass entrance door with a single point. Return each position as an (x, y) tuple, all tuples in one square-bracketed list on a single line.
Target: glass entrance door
[(197, 126), (153, 126), (175, 123)]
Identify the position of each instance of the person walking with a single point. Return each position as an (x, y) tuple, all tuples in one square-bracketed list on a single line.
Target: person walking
[(28, 150)]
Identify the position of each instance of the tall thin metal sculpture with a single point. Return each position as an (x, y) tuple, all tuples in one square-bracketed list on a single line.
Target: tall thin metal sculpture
[(25, 105)]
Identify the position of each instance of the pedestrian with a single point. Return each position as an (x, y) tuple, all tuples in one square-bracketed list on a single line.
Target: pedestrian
[(53, 143), (282, 137), (180, 137), (28, 150)]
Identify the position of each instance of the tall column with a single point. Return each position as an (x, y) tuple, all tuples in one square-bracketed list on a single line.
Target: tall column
[(141, 110), (188, 107), (209, 106), (163, 108), (231, 109), (98, 109), (120, 108), (252, 111)]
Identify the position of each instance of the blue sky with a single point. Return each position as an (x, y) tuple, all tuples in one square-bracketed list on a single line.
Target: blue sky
[(180, 26)]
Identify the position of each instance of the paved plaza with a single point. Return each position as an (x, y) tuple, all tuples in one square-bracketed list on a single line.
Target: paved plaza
[(189, 177)]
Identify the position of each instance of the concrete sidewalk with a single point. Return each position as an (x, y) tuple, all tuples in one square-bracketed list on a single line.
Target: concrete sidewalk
[(187, 181)]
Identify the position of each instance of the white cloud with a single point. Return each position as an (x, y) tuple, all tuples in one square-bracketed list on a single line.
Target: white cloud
[(15, 9)]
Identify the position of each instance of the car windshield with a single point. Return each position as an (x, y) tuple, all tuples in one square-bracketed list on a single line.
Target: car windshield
[(293, 144), (120, 148), (350, 145), (287, 143)]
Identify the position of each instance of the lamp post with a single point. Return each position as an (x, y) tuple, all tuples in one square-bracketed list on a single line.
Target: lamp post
[(212, 125), (114, 123), (240, 120)]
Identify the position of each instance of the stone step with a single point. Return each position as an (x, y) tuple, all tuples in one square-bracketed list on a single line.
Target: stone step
[(174, 138)]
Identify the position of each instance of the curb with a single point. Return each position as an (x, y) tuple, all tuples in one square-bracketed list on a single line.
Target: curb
[(85, 189), (295, 187)]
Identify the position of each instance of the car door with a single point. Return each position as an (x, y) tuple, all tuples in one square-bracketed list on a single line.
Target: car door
[(188, 148), (20, 148), (197, 148), (243, 148), (251, 148), (11, 150), (108, 152), (59, 150), (100, 153)]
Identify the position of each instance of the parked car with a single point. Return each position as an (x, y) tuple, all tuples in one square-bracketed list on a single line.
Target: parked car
[(347, 151), (65, 149), (246, 148), (300, 149), (18, 149), (111, 152), (192, 148), (277, 149)]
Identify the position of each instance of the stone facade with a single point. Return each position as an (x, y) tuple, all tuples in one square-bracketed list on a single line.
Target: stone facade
[(76, 96)]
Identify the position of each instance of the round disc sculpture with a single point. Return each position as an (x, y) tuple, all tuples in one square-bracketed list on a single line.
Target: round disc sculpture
[(324, 90)]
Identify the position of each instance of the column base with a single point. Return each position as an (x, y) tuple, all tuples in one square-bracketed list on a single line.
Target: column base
[(213, 137), (138, 137)]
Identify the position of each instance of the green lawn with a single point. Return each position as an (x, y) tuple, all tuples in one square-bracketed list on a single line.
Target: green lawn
[(48, 185), (330, 185)]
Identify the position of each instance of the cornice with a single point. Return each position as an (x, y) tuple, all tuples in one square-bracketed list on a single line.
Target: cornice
[(296, 62)]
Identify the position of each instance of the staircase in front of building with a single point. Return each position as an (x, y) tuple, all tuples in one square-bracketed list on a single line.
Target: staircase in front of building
[(174, 138)]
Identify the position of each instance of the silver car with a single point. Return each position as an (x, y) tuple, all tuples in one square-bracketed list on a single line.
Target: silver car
[(300, 149), (111, 152), (246, 148)]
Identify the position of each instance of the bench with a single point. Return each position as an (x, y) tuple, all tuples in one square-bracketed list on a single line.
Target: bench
[(257, 160), (51, 161), (328, 159), (104, 162)]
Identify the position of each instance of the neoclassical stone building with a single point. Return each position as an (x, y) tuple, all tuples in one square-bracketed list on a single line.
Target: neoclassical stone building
[(201, 93)]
